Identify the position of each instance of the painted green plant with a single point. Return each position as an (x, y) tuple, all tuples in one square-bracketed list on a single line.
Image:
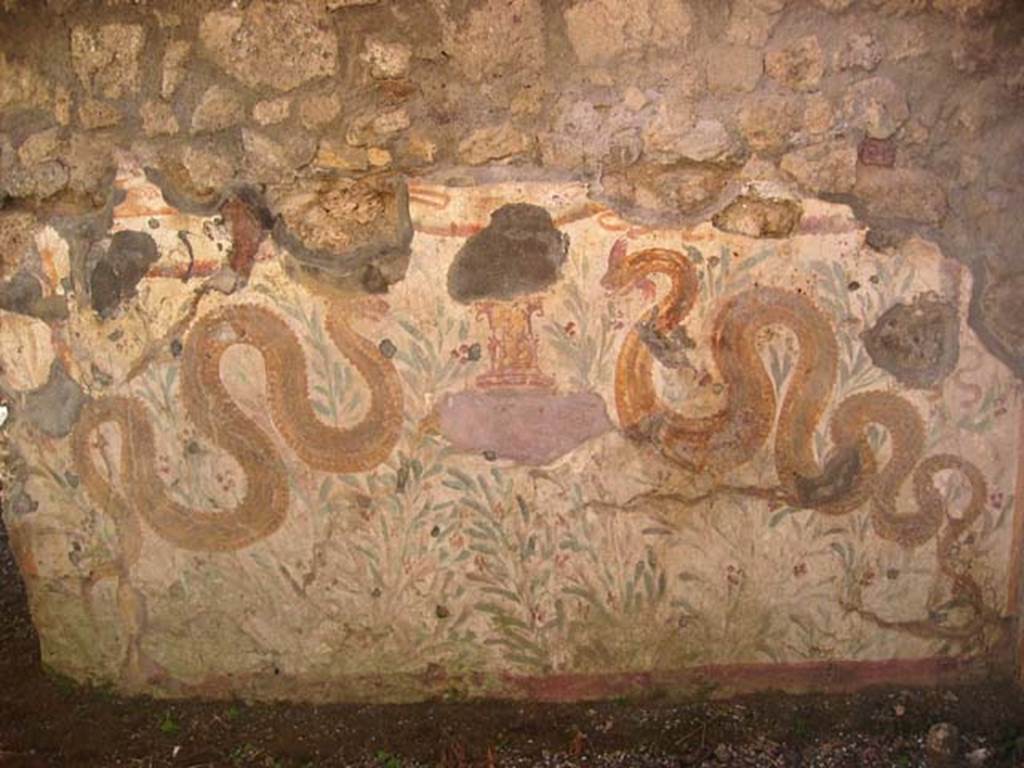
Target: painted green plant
[(845, 298), (621, 613), (513, 569), (582, 333), (435, 353)]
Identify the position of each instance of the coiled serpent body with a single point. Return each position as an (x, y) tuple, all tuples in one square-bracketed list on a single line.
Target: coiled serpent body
[(213, 411), (850, 476)]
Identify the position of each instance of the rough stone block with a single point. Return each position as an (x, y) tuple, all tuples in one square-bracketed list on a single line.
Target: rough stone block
[(601, 30), (280, 45), (106, 58)]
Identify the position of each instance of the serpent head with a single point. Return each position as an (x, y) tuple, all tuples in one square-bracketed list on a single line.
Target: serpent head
[(618, 276)]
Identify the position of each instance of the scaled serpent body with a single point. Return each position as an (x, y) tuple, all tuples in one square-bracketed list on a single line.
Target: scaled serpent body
[(732, 436), (215, 414)]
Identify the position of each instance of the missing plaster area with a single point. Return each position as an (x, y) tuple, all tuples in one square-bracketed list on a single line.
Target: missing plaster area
[(519, 252), (352, 235), (756, 216), (119, 270), (917, 343)]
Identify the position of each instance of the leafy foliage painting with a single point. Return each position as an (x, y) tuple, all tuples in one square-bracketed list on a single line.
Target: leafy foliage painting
[(458, 568)]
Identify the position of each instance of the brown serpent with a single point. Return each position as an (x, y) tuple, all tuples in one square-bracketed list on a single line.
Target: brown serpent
[(733, 435), (142, 493), (965, 589)]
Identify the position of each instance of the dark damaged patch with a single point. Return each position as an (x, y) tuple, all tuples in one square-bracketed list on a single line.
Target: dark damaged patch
[(53, 408), (917, 343), (996, 314), (387, 348), (835, 482), (668, 349), (120, 269), (373, 216), (519, 252), (23, 294), (755, 216), (20, 293)]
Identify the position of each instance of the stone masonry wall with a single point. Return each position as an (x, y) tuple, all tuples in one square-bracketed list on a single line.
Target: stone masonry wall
[(908, 110), (218, 481)]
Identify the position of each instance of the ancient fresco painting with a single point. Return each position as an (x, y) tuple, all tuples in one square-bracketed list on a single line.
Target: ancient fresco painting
[(564, 444)]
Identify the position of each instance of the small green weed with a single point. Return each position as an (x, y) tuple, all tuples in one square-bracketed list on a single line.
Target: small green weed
[(387, 760), (169, 725)]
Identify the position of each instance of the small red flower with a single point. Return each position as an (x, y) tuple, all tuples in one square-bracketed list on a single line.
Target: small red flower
[(466, 353), (734, 574)]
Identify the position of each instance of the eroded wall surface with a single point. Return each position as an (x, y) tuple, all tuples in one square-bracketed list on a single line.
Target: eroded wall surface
[(564, 445), (548, 349)]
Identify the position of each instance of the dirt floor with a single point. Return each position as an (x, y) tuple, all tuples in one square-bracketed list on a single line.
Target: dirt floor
[(46, 721)]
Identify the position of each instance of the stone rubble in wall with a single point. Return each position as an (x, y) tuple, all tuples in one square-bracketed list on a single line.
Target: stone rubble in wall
[(266, 88), (275, 45)]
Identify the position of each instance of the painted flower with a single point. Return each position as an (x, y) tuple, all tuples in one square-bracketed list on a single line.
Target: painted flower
[(734, 574), (467, 353)]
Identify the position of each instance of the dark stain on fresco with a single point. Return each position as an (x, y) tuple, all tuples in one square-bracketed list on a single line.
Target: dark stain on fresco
[(387, 348), (835, 482), (120, 269), (997, 314), (20, 293), (917, 343), (519, 252), (53, 408), (669, 348), (23, 294)]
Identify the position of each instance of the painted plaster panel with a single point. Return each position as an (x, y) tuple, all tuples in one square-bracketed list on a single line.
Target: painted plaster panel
[(677, 456)]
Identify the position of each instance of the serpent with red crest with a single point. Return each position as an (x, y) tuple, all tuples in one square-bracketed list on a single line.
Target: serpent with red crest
[(849, 477)]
